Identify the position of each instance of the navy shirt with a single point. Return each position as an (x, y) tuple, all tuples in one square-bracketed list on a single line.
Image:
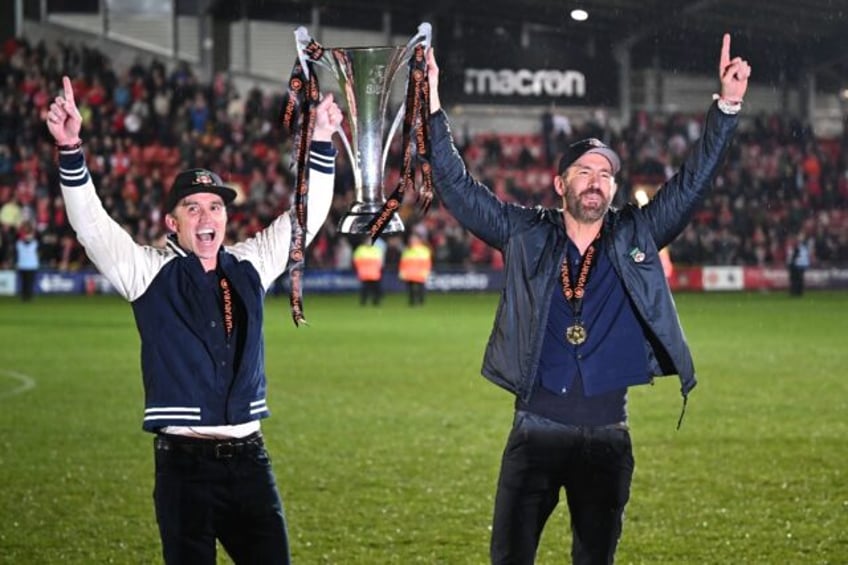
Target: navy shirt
[(587, 384)]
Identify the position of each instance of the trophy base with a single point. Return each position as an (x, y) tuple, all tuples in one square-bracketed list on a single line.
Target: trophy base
[(358, 218)]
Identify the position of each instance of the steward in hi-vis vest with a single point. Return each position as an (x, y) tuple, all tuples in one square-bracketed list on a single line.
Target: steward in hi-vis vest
[(368, 262), (416, 262)]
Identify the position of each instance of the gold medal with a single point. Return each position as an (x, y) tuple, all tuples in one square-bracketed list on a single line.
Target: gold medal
[(575, 334)]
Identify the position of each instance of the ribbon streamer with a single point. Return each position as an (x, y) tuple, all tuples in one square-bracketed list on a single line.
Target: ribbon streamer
[(414, 121), (299, 119)]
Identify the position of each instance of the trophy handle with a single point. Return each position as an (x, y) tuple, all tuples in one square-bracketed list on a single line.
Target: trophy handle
[(423, 36), (302, 40)]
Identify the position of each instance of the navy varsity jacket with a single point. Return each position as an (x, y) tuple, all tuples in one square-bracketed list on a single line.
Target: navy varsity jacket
[(185, 383)]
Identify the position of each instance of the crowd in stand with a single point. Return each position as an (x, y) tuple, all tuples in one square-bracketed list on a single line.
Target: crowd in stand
[(144, 123)]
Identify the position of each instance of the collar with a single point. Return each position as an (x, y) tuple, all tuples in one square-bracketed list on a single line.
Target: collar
[(172, 244)]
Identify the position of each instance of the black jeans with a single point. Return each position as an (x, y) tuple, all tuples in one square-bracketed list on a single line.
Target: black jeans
[(594, 465), (217, 489)]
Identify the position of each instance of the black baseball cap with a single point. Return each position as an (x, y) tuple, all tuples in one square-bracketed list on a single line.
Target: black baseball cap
[(192, 181), (584, 146)]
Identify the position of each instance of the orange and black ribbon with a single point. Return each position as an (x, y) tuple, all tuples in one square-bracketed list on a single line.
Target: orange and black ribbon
[(299, 119), (574, 295), (227, 296), (414, 122)]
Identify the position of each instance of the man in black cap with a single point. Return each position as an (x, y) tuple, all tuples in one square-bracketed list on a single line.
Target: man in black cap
[(585, 313), (198, 306)]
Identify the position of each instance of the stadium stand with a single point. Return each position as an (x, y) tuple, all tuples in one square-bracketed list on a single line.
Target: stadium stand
[(143, 123)]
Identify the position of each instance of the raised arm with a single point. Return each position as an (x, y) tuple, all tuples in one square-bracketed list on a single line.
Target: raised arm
[(128, 266), (672, 208), (269, 249), (321, 160), (470, 202)]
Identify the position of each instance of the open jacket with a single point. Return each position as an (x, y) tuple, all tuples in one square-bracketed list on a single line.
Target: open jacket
[(184, 362), (532, 241)]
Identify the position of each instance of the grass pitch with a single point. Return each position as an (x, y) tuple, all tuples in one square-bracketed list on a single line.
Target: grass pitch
[(386, 441)]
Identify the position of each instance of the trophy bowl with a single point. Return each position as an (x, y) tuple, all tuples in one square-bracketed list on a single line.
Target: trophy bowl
[(365, 76)]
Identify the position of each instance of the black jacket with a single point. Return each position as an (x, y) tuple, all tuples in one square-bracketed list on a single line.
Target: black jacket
[(532, 242)]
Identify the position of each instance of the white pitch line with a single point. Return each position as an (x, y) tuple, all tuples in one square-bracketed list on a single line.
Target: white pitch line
[(27, 383)]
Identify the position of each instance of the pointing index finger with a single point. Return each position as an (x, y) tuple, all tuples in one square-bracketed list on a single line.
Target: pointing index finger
[(725, 52), (69, 90)]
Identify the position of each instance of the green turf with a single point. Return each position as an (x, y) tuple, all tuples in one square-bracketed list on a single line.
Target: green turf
[(386, 441)]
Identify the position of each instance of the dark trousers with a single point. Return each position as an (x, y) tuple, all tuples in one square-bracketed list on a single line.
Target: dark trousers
[(593, 464), (416, 293), (27, 281), (796, 281), (207, 490), (371, 290)]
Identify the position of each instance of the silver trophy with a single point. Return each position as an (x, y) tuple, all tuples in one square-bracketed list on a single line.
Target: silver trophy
[(365, 76)]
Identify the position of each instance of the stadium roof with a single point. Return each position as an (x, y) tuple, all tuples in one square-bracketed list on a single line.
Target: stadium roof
[(782, 39)]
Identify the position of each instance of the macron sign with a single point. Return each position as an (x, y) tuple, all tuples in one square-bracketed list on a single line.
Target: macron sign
[(491, 68), (524, 82)]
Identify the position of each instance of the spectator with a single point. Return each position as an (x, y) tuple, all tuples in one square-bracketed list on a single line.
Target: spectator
[(798, 261), (27, 261)]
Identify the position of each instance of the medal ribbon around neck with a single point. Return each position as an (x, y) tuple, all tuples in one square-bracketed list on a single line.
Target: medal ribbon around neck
[(227, 296), (576, 333)]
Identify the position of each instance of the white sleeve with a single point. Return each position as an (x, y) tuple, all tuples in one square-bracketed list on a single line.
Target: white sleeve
[(128, 266), (268, 250)]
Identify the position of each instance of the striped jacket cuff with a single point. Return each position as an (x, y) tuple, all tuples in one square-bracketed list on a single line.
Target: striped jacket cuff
[(174, 413), (322, 156), (258, 407), (72, 169)]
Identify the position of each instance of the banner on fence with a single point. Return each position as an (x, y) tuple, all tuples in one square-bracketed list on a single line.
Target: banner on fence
[(692, 279)]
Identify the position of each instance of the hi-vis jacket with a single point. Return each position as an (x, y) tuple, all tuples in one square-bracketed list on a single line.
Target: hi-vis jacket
[(416, 262), (532, 241), (368, 262), (179, 325)]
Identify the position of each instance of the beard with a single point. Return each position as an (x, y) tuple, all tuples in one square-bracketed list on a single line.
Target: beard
[(583, 211)]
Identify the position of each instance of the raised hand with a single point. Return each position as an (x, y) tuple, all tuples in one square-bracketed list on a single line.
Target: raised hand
[(63, 118), (328, 117), (433, 79), (733, 73)]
